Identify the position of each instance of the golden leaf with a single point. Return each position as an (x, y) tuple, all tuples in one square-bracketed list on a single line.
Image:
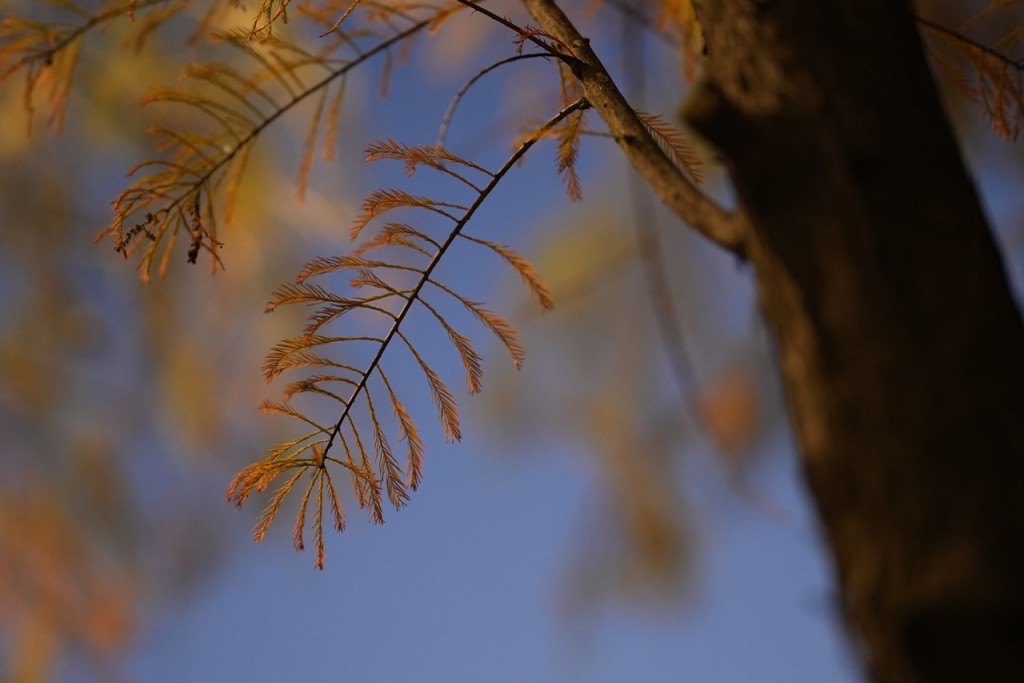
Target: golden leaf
[(673, 143), (525, 269)]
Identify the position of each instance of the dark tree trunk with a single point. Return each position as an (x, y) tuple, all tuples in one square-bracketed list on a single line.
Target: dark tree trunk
[(901, 348)]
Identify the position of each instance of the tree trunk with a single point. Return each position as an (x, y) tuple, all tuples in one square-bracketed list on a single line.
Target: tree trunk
[(901, 348)]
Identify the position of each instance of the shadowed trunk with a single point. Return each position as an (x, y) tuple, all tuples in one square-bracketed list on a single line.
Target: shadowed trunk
[(901, 348)]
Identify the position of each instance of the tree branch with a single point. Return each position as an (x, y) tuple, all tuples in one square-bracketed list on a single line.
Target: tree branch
[(460, 223), (665, 178)]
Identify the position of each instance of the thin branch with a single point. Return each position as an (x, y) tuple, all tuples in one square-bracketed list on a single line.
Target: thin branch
[(938, 28), (649, 246), (258, 129), (665, 178), (446, 121), (455, 232)]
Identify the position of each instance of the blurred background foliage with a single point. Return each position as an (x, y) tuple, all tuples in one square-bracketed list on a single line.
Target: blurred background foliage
[(125, 408)]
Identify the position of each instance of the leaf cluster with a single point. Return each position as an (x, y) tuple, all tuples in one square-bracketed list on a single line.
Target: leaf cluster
[(384, 290), (45, 51), (183, 193), (188, 190), (988, 73), (362, 304)]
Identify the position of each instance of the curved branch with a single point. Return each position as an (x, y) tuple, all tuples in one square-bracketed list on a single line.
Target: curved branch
[(450, 112), (665, 178), (649, 247), (452, 236)]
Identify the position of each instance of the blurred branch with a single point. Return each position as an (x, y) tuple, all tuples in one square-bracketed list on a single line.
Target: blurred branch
[(645, 224), (638, 16), (973, 44), (47, 55)]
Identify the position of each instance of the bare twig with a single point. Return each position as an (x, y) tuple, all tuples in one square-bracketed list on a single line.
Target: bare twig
[(446, 120)]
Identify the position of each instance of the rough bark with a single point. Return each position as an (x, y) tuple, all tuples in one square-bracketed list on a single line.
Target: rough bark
[(900, 345)]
